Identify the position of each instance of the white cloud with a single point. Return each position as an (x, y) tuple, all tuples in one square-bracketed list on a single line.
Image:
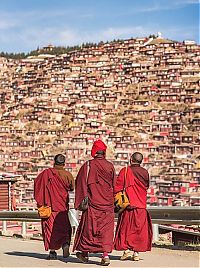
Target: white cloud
[(120, 32), (72, 37), (182, 33), (19, 18), (31, 38), (174, 33), (7, 21), (160, 5), (69, 37), (185, 2), (27, 32), (6, 24)]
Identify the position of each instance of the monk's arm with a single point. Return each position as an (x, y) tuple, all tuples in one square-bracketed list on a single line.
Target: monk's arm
[(80, 186), (71, 181), (39, 188), (119, 185)]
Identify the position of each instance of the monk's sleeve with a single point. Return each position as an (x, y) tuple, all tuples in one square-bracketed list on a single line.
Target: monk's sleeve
[(114, 176), (39, 189), (41, 194), (80, 186), (119, 185), (148, 179)]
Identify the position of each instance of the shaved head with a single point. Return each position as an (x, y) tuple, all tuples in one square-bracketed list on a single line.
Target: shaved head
[(137, 158), (59, 159)]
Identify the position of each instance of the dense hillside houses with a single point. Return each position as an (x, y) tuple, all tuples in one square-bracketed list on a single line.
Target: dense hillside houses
[(139, 94)]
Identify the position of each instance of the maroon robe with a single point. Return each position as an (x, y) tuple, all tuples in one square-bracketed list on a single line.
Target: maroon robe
[(134, 227), (96, 228), (51, 188)]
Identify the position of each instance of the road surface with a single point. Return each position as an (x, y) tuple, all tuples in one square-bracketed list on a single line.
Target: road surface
[(30, 253)]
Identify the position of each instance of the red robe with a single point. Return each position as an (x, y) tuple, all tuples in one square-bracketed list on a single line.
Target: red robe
[(96, 228), (51, 189), (134, 227)]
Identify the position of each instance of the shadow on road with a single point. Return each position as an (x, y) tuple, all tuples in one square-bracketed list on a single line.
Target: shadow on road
[(27, 254), (70, 259), (172, 247)]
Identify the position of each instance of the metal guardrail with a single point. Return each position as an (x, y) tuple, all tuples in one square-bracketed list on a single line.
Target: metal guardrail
[(185, 231), (159, 215), (24, 215), (175, 215)]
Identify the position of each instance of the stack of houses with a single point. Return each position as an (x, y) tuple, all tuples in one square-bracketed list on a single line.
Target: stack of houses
[(139, 94)]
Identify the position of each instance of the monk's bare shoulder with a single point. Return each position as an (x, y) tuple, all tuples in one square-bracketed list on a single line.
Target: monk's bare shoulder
[(69, 174), (70, 179)]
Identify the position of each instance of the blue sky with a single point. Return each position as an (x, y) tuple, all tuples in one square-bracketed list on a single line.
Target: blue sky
[(27, 24)]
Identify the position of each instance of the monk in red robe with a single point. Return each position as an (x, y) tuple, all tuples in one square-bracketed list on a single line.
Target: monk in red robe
[(51, 189), (134, 227), (96, 229)]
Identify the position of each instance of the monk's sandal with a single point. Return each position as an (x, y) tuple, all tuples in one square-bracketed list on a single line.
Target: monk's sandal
[(81, 257), (135, 257), (126, 256), (105, 261)]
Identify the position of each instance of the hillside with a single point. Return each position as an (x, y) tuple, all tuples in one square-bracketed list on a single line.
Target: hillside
[(139, 94)]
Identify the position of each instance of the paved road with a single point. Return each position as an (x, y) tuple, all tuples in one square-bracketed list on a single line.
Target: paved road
[(30, 253)]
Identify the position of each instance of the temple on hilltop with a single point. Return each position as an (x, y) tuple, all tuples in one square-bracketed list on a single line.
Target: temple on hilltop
[(47, 48), (159, 40)]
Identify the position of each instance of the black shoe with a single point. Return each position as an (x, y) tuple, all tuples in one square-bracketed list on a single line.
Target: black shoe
[(52, 255)]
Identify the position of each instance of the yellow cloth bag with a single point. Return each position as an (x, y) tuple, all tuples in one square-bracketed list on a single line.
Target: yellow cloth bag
[(121, 201), (44, 212)]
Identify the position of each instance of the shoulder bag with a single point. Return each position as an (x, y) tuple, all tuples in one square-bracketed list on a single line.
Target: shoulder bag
[(44, 212), (121, 200)]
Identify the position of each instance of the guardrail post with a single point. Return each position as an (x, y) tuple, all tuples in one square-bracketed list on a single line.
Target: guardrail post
[(23, 229), (4, 227), (155, 233)]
